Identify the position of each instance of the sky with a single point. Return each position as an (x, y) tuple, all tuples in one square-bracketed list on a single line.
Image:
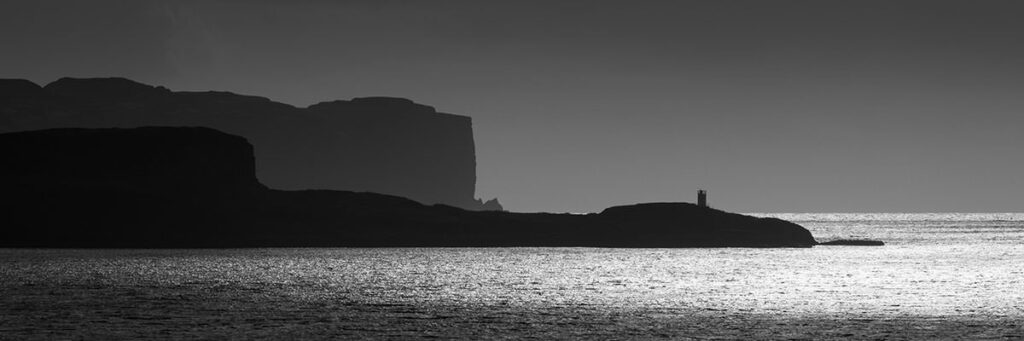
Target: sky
[(771, 106)]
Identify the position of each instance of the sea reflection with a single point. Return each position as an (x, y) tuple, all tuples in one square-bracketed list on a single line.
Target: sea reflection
[(936, 278)]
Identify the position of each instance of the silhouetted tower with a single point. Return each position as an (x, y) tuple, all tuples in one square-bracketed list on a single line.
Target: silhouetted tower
[(702, 198)]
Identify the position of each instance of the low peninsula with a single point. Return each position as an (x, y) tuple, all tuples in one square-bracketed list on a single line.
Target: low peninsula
[(854, 242), (191, 187)]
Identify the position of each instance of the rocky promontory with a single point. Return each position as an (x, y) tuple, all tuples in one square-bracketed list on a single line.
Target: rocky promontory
[(197, 187)]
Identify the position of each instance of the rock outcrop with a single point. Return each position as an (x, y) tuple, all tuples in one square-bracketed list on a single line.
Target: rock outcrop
[(377, 144), (196, 187), (854, 242), (659, 225)]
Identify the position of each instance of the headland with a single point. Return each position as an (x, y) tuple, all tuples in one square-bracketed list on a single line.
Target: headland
[(185, 187)]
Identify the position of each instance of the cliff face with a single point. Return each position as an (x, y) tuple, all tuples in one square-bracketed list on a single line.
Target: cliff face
[(196, 187), (386, 145), (434, 146)]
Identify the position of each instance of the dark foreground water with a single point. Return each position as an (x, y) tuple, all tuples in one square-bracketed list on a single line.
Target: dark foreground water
[(941, 276)]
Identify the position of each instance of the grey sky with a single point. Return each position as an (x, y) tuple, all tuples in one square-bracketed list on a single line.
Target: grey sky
[(796, 106)]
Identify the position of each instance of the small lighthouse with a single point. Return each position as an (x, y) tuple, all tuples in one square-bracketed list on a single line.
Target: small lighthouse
[(702, 198)]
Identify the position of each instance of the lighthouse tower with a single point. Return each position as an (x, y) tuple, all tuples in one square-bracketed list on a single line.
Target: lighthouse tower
[(702, 198)]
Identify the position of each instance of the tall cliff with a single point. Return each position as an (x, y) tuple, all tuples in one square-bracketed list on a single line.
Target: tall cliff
[(378, 144)]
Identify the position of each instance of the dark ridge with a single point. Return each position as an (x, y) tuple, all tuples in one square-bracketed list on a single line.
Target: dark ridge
[(385, 103), (104, 89), (150, 159), (224, 97), (19, 88), (196, 187), (378, 144)]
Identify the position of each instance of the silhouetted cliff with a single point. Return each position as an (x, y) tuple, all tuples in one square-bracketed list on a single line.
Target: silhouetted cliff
[(196, 187), (378, 144), (187, 161)]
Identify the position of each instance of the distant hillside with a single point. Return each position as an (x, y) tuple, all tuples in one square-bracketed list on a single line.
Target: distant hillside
[(377, 144), (197, 187)]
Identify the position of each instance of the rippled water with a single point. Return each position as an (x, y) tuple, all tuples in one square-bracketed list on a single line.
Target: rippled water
[(940, 276)]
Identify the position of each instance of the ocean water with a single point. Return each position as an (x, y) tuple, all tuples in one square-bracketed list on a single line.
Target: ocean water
[(940, 276)]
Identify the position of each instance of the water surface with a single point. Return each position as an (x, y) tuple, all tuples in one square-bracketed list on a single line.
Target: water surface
[(940, 276)]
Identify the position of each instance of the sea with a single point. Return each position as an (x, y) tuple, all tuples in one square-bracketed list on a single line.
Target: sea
[(939, 276)]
